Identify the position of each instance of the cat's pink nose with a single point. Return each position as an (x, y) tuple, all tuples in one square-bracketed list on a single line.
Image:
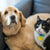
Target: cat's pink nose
[(39, 30)]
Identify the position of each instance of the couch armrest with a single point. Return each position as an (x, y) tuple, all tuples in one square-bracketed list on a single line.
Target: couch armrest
[(25, 7)]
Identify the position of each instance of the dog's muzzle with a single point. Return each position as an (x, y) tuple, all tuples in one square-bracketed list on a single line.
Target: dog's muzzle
[(13, 19)]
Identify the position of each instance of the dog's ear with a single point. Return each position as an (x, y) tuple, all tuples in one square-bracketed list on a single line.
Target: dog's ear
[(0, 17), (22, 19)]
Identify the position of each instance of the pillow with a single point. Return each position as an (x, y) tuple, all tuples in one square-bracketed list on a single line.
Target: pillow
[(42, 6)]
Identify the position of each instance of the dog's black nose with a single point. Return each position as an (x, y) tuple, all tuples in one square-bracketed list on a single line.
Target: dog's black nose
[(12, 17)]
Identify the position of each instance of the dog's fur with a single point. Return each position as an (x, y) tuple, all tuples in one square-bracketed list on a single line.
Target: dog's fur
[(20, 35)]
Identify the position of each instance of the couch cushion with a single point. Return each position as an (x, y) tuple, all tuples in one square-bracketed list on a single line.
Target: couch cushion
[(3, 45), (1, 39), (31, 20), (42, 6)]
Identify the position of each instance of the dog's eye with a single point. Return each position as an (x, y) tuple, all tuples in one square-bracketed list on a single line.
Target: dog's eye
[(15, 11), (6, 12)]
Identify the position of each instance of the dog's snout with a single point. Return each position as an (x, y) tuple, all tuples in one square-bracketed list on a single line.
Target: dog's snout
[(12, 17)]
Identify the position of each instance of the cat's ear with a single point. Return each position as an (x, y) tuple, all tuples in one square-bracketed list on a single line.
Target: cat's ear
[(38, 18), (48, 20)]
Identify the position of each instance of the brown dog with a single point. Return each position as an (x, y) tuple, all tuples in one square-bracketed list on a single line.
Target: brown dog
[(19, 33)]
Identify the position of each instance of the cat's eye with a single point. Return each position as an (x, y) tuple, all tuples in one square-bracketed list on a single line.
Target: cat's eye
[(43, 26), (37, 25)]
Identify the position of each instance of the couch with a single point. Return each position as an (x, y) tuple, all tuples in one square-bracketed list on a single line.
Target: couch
[(29, 7)]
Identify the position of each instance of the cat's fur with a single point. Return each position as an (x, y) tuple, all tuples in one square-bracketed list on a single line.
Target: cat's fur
[(45, 31), (47, 41)]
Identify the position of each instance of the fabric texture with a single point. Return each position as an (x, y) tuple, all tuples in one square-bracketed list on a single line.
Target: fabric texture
[(2, 46), (42, 6), (25, 7)]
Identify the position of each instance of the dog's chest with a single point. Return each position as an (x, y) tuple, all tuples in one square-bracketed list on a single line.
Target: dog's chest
[(14, 41)]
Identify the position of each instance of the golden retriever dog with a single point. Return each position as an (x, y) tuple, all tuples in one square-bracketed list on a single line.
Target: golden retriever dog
[(19, 33)]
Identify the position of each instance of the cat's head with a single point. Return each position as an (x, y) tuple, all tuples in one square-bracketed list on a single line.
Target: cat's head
[(42, 26)]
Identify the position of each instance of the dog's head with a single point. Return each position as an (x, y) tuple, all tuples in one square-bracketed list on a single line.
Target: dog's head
[(12, 20)]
